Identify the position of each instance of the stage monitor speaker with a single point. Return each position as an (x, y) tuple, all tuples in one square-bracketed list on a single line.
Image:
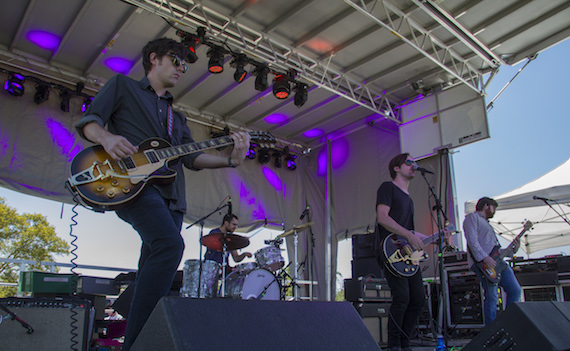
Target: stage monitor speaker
[(229, 324), (58, 324), (527, 326)]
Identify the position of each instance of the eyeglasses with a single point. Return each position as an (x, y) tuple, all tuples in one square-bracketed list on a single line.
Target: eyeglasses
[(178, 62), (410, 163)]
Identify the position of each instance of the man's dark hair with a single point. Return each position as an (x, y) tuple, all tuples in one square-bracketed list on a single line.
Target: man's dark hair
[(162, 47), (228, 218), (397, 161), (485, 201)]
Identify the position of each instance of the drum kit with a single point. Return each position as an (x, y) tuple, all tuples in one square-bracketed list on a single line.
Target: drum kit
[(265, 279)]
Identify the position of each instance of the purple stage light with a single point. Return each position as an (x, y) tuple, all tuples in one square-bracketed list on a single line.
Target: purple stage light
[(273, 178), (63, 138), (313, 133), (340, 151), (276, 118), (119, 64), (43, 39)]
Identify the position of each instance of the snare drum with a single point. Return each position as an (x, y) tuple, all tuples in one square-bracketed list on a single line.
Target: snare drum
[(251, 285), (209, 281), (269, 258)]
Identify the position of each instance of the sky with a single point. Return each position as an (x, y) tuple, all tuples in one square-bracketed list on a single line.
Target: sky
[(529, 126)]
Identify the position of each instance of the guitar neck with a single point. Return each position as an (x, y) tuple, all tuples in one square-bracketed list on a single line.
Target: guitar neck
[(509, 248), (432, 238), (190, 148)]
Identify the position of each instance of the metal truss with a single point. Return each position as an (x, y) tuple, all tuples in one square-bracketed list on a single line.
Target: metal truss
[(281, 56), (425, 42)]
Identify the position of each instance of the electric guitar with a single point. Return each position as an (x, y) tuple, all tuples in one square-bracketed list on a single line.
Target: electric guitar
[(107, 184), (400, 258), (494, 274)]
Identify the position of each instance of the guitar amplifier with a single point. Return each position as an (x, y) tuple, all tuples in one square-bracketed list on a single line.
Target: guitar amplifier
[(365, 289), (375, 316), (58, 324)]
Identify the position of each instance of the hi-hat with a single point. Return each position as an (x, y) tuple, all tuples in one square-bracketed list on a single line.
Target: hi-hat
[(215, 241), (297, 228)]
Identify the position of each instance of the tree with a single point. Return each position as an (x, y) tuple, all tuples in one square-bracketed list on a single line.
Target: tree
[(27, 237)]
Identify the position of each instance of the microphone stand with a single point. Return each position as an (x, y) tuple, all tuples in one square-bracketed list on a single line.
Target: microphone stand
[(201, 221), (546, 201), (18, 319), (443, 301), (311, 258)]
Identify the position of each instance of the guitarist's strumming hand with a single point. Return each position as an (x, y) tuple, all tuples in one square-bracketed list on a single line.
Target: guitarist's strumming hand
[(415, 241), (116, 146), (489, 261)]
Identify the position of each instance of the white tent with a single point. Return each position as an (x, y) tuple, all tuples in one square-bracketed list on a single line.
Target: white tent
[(551, 228)]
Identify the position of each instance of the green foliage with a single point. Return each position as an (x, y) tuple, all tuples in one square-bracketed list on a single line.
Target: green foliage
[(27, 237)]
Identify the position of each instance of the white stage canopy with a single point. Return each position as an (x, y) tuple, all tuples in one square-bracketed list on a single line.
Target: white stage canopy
[(551, 227)]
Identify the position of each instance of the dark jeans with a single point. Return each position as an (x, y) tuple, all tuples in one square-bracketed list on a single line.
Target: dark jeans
[(408, 299), (161, 252)]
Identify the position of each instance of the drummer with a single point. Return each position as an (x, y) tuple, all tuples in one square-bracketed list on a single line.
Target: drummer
[(229, 225)]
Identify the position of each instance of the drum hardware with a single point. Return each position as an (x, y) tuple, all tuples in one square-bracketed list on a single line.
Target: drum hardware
[(259, 284), (295, 232), (200, 279)]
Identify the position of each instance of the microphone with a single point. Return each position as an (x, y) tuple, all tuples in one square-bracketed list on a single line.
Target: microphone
[(230, 207), (540, 198), (421, 169), (305, 212)]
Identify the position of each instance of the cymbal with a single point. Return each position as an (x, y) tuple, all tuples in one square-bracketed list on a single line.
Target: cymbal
[(215, 241), (297, 228)]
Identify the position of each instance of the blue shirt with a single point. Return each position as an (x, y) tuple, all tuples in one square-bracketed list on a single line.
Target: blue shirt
[(132, 109)]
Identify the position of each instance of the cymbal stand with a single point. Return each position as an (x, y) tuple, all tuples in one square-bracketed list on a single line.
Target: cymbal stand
[(224, 264), (295, 275)]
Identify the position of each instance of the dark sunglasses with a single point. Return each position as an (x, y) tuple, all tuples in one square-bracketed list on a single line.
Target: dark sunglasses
[(178, 62), (410, 162)]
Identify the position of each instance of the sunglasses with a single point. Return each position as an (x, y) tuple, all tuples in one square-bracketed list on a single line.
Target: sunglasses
[(410, 163), (178, 62)]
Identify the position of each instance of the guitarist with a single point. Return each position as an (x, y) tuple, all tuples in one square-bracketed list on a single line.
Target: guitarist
[(395, 214), (134, 111), (481, 240)]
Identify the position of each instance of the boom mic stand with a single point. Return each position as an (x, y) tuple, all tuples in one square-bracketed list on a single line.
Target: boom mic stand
[(201, 221), (443, 302)]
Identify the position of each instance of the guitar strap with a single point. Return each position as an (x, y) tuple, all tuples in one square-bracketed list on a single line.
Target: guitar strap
[(170, 121)]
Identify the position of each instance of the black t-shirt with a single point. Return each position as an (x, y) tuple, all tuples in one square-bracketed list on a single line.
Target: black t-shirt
[(401, 207)]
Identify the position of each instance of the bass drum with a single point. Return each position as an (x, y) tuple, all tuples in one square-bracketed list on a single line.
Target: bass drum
[(251, 285)]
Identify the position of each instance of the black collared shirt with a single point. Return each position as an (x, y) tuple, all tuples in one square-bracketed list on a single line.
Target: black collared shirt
[(132, 109)]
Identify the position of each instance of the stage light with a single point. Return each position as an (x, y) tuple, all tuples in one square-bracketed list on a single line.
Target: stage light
[(42, 93), (264, 156), (251, 152), (239, 63), (191, 42), (216, 63), (301, 94), (15, 84), (277, 155), (289, 159), (261, 72), (65, 96), (281, 86), (86, 102)]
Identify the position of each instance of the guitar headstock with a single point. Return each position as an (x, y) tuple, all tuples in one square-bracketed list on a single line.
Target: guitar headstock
[(527, 225), (262, 137)]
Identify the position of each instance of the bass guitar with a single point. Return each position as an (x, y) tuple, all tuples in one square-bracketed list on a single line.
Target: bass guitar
[(400, 258), (107, 184), (494, 274)]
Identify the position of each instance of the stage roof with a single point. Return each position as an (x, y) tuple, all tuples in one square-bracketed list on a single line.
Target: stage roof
[(361, 60)]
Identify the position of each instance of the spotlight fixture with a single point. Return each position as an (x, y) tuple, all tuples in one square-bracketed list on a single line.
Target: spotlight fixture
[(264, 156), (191, 42), (289, 159), (15, 84), (216, 63), (86, 102), (261, 72), (300, 94), (281, 86), (42, 93), (251, 152), (277, 155), (239, 63), (65, 96)]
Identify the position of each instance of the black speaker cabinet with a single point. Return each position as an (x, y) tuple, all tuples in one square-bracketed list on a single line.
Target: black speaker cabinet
[(58, 324), (375, 316), (527, 326), (230, 324)]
